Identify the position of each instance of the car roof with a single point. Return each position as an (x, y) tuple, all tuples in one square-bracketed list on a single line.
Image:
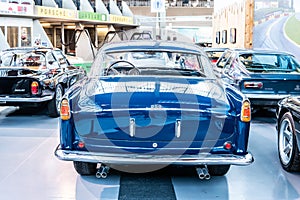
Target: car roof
[(215, 49), (261, 51), (152, 45)]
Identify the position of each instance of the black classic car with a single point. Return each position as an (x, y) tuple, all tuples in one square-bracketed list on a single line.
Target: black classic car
[(264, 76), (153, 103), (35, 76), (288, 126)]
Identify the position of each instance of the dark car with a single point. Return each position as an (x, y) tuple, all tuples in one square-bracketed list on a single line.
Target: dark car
[(153, 103), (288, 127), (264, 76), (34, 76)]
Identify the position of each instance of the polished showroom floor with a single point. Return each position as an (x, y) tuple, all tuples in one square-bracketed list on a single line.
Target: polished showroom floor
[(30, 171)]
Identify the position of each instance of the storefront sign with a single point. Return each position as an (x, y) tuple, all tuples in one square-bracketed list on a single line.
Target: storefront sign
[(120, 19), (92, 16), (15, 9), (43, 11)]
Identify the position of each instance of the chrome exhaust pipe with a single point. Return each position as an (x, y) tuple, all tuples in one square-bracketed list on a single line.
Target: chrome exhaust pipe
[(200, 173), (206, 174), (102, 171), (203, 173), (98, 174)]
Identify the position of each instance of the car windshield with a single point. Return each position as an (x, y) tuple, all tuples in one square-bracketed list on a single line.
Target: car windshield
[(152, 63), (269, 63)]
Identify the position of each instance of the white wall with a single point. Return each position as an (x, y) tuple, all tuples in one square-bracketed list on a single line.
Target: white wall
[(219, 4), (297, 5)]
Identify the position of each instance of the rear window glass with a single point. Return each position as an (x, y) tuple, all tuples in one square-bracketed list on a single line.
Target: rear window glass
[(269, 63), (153, 63)]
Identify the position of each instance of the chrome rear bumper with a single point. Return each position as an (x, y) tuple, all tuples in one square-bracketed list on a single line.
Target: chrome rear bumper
[(197, 159), (8, 99)]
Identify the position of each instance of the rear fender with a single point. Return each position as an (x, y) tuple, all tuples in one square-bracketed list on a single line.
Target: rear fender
[(66, 134)]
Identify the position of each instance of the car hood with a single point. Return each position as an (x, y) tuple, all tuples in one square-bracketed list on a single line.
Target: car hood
[(279, 83), (123, 93)]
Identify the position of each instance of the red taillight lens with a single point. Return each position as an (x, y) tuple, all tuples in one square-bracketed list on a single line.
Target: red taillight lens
[(81, 144), (254, 85), (246, 111), (227, 145), (34, 87), (214, 61), (65, 113)]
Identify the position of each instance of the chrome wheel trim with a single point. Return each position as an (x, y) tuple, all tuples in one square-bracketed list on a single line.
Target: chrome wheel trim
[(285, 141)]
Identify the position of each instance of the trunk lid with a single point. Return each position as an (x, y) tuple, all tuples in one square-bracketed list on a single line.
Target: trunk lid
[(153, 111), (286, 83), (15, 82)]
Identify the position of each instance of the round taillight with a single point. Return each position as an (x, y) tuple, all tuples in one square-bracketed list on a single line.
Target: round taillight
[(227, 145), (81, 144)]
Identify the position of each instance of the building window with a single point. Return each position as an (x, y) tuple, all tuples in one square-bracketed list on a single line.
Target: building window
[(218, 35), (224, 36), (12, 36), (25, 36), (233, 35)]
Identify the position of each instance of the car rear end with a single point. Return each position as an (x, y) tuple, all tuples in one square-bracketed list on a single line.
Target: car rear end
[(135, 126), (267, 89), (271, 77), (19, 89)]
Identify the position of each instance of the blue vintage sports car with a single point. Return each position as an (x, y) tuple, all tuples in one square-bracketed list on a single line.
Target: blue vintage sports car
[(153, 103), (264, 76)]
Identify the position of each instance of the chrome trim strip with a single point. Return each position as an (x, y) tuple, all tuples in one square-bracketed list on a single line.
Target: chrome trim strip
[(210, 110), (177, 128), (199, 159), (20, 99), (132, 127), (267, 96), (147, 148)]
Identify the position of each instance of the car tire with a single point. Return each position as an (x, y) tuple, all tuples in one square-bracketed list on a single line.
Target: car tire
[(85, 168), (218, 170), (54, 104), (287, 144)]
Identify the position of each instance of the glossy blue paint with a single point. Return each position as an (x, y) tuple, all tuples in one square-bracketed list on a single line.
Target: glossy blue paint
[(276, 73), (174, 114), (202, 117)]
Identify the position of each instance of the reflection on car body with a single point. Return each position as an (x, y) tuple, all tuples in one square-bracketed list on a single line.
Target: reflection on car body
[(32, 76), (264, 76), (153, 103)]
